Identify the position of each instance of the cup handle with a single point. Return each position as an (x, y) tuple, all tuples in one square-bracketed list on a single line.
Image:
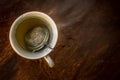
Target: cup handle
[(49, 61)]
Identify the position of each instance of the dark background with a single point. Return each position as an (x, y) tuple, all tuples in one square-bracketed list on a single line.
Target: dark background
[(88, 47)]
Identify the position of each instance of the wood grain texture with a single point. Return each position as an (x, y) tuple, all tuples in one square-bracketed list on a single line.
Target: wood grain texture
[(88, 47)]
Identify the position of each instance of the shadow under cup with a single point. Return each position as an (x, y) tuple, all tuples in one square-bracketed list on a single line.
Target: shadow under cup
[(21, 26)]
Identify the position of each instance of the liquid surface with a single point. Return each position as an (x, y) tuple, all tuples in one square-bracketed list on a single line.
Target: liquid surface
[(29, 26)]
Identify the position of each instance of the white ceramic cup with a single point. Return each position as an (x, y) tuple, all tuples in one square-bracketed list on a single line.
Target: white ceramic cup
[(14, 41)]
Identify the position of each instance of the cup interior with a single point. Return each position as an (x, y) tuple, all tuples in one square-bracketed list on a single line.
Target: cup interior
[(24, 27)]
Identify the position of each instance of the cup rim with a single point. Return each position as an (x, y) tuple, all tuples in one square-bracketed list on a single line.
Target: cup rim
[(53, 39)]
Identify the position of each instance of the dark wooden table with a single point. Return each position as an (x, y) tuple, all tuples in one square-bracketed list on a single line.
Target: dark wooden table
[(88, 47)]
